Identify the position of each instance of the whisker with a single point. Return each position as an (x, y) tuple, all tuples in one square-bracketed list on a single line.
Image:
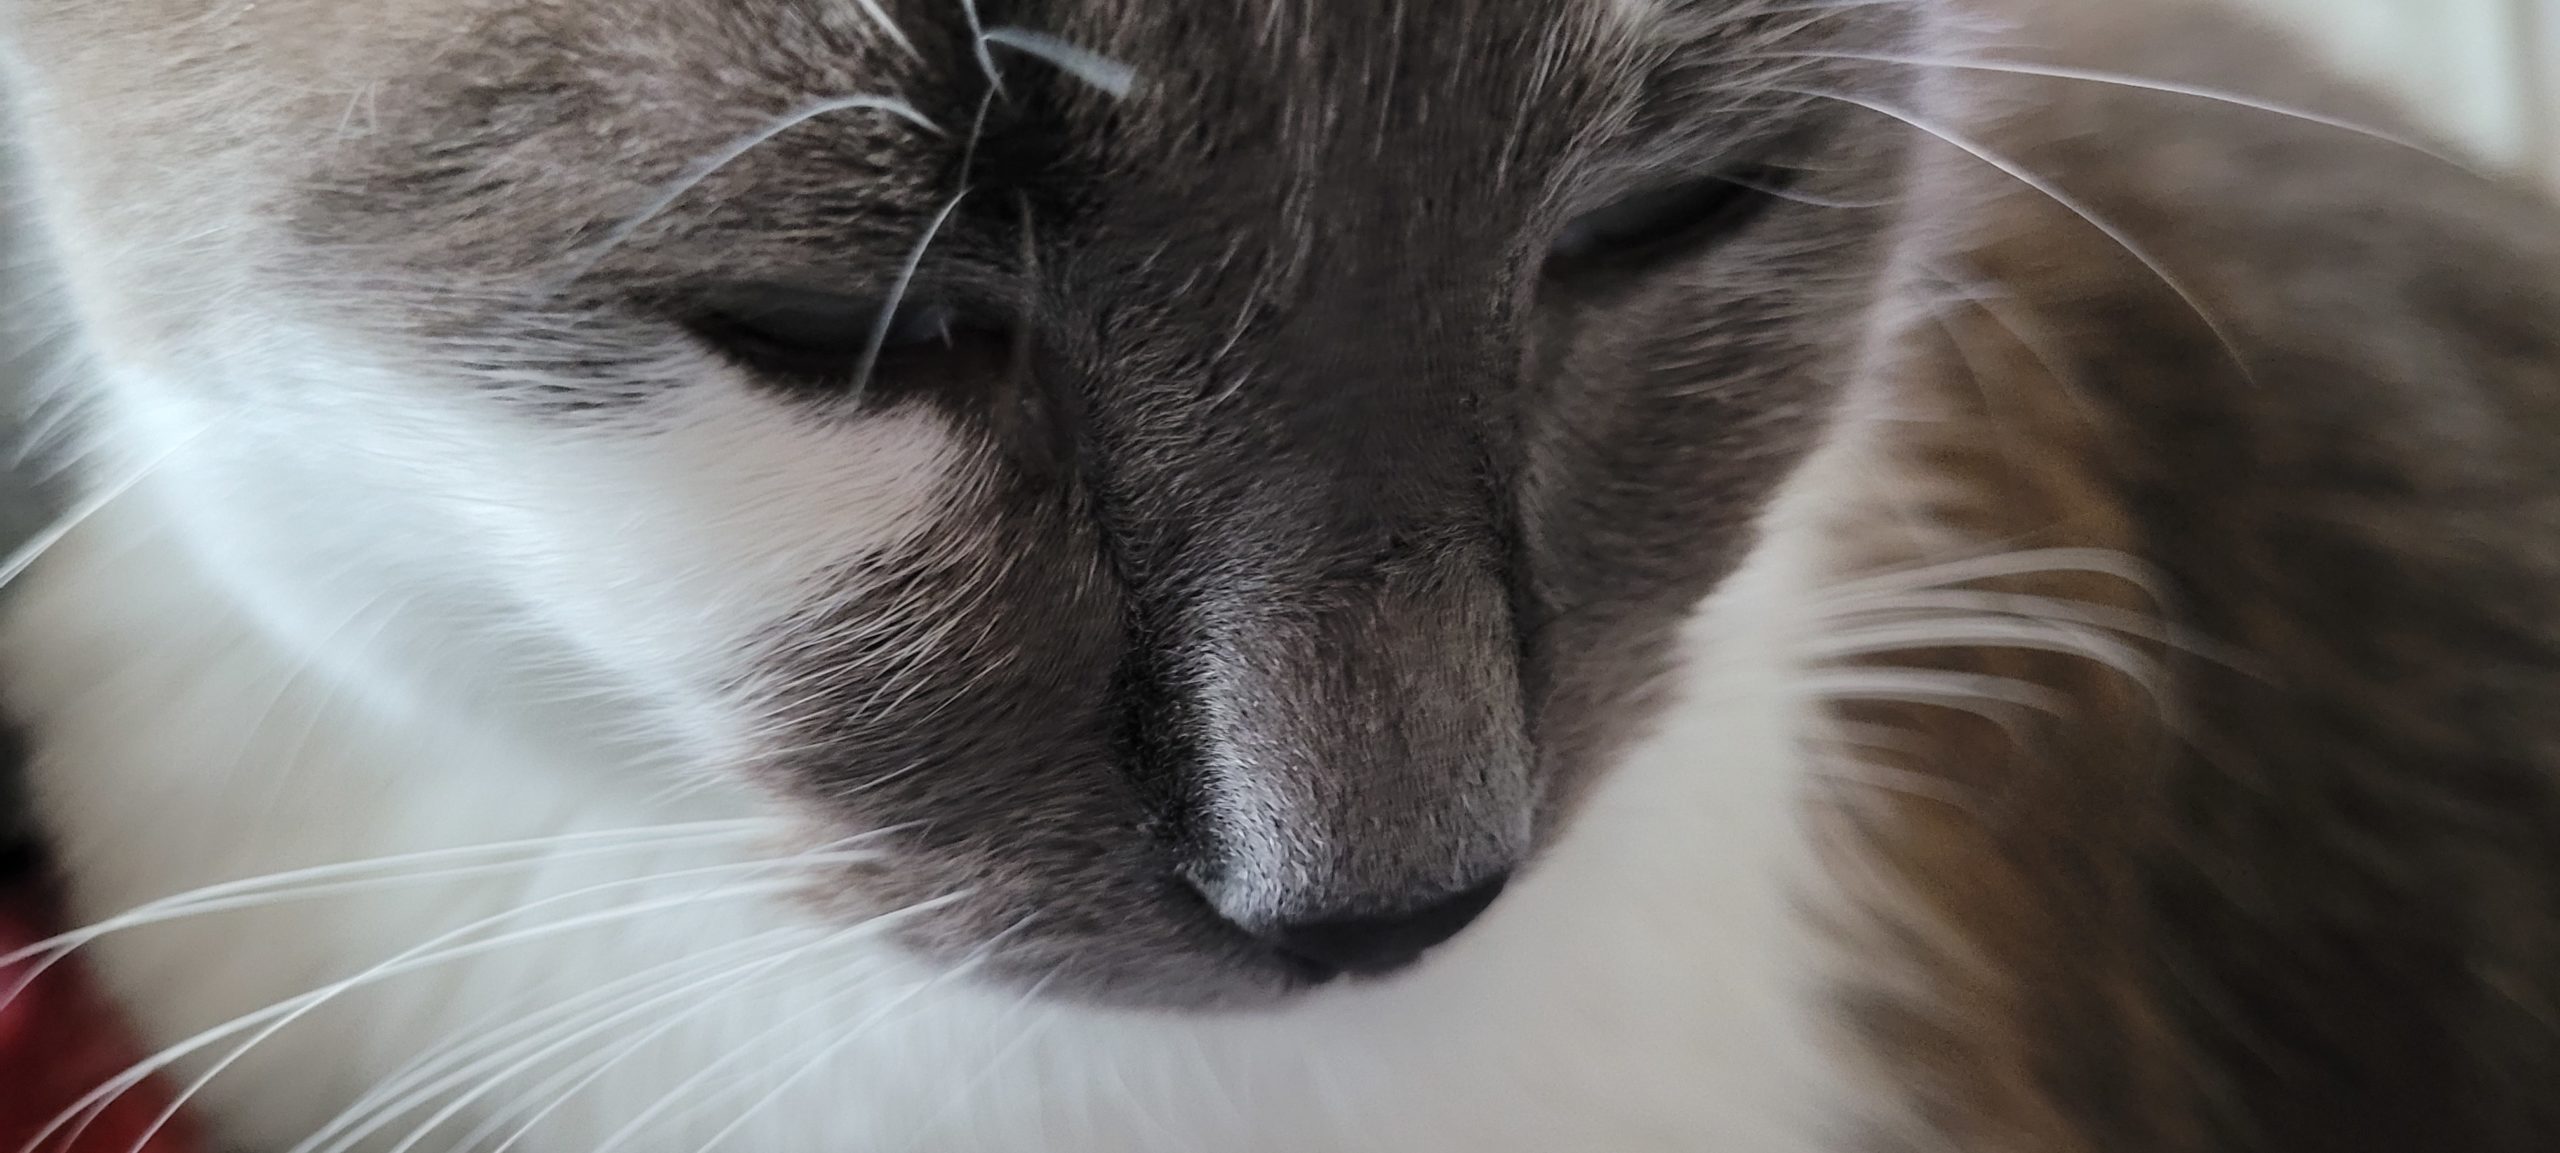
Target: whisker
[(737, 981), (709, 166), (898, 294), (503, 1039), (299, 884), (432, 1074), (24, 557), (2112, 231), (1103, 73), (1964, 691), (311, 1002), (1829, 6), (1899, 782), (1024, 1035), (1934, 601), (2002, 306), (2115, 563), (1869, 735), (976, 958), (695, 1081), (978, 45), (889, 27), (2143, 84), (794, 1057), (433, 952), (1992, 632), (1931, 603)]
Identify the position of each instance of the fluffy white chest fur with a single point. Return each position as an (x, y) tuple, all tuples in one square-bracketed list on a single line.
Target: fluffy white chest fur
[(1654, 984)]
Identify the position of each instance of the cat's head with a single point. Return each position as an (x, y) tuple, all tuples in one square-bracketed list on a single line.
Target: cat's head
[(1215, 480)]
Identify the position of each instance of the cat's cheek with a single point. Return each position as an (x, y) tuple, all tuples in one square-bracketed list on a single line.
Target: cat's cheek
[(678, 546)]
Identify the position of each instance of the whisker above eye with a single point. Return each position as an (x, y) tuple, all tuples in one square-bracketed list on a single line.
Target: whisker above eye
[(2049, 190), (1103, 73), (2140, 83), (889, 27), (709, 166), (898, 293)]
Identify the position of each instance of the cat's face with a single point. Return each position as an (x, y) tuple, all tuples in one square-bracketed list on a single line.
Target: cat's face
[(1264, 510)]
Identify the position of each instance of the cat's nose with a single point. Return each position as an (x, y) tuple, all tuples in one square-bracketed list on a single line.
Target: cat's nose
[(1373, 945)]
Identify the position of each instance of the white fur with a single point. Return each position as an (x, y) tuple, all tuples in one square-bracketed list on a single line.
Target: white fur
[(206, 711)]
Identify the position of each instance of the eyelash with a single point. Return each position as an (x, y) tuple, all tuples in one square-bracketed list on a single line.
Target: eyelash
[(1644, 228), (814, 342)]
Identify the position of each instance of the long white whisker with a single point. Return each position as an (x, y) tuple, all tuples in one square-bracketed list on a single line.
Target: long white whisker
[(797, 1055), (709, 166), (483, 1044), (1868, 735), (409, 961), (1937, 603), (436, 951), (1976, 632), (1023, 1037), (1925, 602), (976, 958), (1103, 73), (685, 1088), (897, 295), (2113, 232), (1963, 691), (324, 880), (880, 16), (738, 981), (560, 1095), (1904, 782), (503, 1039), (24, 557), (2140, 83), (978, 45), (2029, 562)]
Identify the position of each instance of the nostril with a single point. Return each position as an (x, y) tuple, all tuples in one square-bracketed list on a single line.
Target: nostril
[(1371, 945)]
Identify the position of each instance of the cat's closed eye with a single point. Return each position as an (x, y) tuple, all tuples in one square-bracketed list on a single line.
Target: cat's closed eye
[(814, 341), (1656, 223)]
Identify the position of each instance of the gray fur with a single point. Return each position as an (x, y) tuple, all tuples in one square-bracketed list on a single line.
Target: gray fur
[(1329, 547), (1322, 544)]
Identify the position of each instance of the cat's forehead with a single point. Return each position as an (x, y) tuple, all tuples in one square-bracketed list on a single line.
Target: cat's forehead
[(516, 118)]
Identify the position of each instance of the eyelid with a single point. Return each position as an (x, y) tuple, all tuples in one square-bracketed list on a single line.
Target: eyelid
[(1651, 221)]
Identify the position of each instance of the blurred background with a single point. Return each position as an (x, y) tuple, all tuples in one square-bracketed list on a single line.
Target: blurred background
[(2486, 71)]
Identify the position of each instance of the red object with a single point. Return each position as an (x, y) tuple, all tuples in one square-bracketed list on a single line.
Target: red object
[(60, 1038)]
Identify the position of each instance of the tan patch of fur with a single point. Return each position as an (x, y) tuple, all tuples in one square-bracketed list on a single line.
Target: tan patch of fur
[(2013, 864)]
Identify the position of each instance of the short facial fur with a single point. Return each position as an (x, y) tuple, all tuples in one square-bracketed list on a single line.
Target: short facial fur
[(1284, 537)]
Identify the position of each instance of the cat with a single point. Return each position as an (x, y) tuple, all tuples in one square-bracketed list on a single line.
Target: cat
[(1081, 575)]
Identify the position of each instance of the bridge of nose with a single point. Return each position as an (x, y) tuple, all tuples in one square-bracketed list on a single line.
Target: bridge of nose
[(1364, 761), (1314, 514)]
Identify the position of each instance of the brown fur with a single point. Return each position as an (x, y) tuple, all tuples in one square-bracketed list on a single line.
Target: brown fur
[(2311, 899)]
